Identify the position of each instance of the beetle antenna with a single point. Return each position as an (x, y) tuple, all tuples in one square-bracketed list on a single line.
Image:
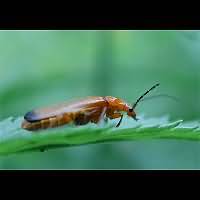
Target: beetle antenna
[(138, 100)]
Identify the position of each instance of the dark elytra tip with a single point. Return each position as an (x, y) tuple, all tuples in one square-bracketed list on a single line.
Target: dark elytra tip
[(31, 116)]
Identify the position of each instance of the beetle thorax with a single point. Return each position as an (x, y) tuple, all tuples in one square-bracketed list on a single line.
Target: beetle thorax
[(116, 103)]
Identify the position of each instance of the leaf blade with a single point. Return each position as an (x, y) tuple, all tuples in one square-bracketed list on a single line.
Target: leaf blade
[(13, 139)]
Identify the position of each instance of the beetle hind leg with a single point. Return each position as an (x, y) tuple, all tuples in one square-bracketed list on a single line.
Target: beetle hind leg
[(81, 119)]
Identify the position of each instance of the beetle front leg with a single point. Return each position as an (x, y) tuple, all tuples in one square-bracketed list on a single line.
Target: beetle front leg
[(120, 121), (116, 115)]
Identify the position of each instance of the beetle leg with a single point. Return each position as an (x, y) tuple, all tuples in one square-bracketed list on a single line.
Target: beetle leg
[(116, 115), (103, 113), (81, 119), (101, 117), (120, 121)]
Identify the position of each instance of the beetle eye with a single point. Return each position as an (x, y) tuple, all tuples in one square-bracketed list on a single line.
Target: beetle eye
[(130, 109)]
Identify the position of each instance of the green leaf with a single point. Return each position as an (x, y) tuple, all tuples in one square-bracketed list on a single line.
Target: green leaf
[(13, 139)]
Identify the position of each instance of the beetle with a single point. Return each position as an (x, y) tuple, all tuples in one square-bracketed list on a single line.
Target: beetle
[(90, 109)]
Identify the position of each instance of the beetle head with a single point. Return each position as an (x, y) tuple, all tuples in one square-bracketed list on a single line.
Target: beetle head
[(131, 113)]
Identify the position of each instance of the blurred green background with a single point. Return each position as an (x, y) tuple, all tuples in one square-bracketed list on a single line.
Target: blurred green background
[(39, 68)]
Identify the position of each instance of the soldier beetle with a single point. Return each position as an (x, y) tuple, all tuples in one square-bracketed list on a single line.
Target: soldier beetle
[(90, 109)]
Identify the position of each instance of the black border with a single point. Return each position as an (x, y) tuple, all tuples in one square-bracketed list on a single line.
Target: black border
[(133, 181), (98, 173), (101, 186), (99, 22)]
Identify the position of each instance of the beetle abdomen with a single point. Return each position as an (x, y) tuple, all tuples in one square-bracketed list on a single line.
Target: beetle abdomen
[(48, 123)]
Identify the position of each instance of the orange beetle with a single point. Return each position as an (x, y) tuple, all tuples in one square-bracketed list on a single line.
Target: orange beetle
[(90, 109)]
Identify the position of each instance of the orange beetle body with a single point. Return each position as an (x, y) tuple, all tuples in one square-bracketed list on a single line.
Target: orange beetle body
[(90, 109)]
